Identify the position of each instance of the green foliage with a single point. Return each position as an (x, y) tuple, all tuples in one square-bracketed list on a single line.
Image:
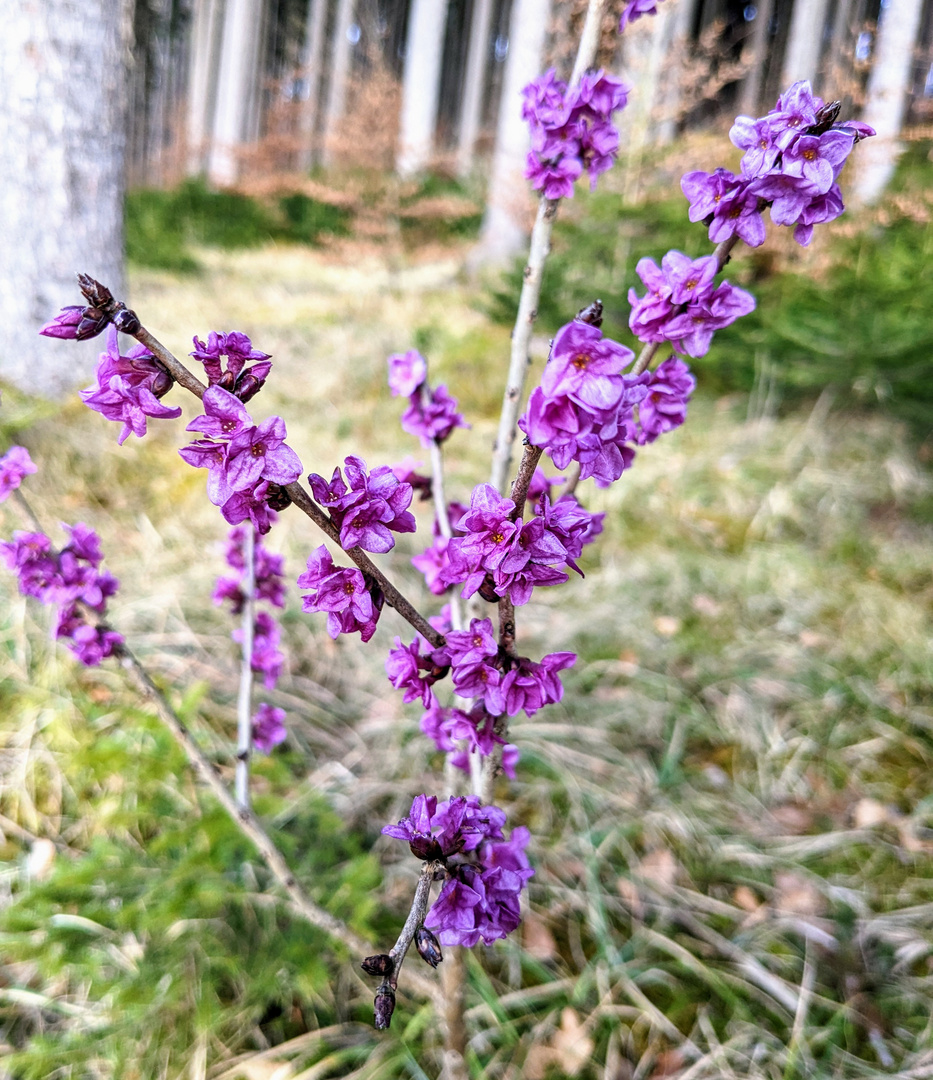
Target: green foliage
[(861, 325), (162, 225)]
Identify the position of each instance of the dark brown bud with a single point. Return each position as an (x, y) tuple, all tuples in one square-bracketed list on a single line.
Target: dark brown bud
[(97, 295), (825, 118), (161, 384), (384, 1006), (429, 948), (227, 381), (425, 847), (127, 322), (277, 497), (592, 314), (93, 321), (488, 590), (380, 964), (248, 386)]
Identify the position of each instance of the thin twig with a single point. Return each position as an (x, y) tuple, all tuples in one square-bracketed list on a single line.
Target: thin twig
[(416, 915), (443, 521), (244, 700)]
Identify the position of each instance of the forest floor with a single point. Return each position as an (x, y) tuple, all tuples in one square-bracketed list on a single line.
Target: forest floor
[(731, 810)]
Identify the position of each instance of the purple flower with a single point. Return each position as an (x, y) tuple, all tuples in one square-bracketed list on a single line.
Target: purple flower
[(665, 407), (433, 563), (224, 415), (351, 604), (529, 686), (437, 830), (268, 728), (474, 645), (407, 371), (433, 420), (267, 658), (65, 323), (367, 506), (570, 130), (128, 388), (572, 524), (635, 9), (260, 453), (408, 670), (239, 351), (14, 465)]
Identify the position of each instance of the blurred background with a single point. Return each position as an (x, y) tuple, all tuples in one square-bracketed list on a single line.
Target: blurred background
[(732, 808)]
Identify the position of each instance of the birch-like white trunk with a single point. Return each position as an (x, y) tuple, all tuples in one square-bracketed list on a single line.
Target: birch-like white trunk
[(888, 87), (237, 88), (474, 83), (313, 62), (752, 84), (62, 144), (506, 220), (804, 41), (677, 45), (421, 84), (204, 59), (340, 55)]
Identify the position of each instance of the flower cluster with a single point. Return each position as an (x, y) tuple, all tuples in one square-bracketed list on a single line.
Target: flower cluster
[(499, 556), (353, 602), (584, 408), (239, 351), (475, 730), (366, 507), (129, 388), (665, 405), (14, 465), (431, 415), (433, 561), (792, 159), (571, 130), (480, 898), (247, 463), (71, 580), (267, 658), (682, 304)]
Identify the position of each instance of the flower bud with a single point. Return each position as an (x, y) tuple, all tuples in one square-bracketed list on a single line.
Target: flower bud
[(65, 323), (227, 381), (384, 1006), (277, 497), (592, 314), (127, 322), (248, 386), (425, 847), (97, 295), (488, 590), (380, 964), (429, 948), (161, 384), (93, 321)]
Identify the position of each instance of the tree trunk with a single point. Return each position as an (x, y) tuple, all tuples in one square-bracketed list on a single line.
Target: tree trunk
[(474, 84), (750, 101), (506, 221), (237, 88), (421, 83), (888, 87), (202, 81), (340, 54), (676, 55), (313, 60), (804, 42), (63, 133)]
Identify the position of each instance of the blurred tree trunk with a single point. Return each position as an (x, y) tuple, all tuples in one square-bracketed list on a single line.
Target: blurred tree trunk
[(313, 59), (676, 55), (474, 84), (421, 84), (237, 89), (63, 136), (507, 219), (202, 81), (805, 41), (752, 84), (340, 54), (886, 104)]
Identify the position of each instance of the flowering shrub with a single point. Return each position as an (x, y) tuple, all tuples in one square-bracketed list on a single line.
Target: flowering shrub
[(596, 404)]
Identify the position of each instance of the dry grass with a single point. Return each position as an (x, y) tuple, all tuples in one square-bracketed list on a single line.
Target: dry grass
[(731, 808)]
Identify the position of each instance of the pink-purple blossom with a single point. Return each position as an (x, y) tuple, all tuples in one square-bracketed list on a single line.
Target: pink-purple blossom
[(14, 466), (268, 727), (635, 9), (432, 417), (438, 830), (571, 130), (792, 158), (367, 507), (237, 349), (352, 604), (407, 371)]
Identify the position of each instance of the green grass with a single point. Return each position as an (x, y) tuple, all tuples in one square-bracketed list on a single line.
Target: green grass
[(731, 809)]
